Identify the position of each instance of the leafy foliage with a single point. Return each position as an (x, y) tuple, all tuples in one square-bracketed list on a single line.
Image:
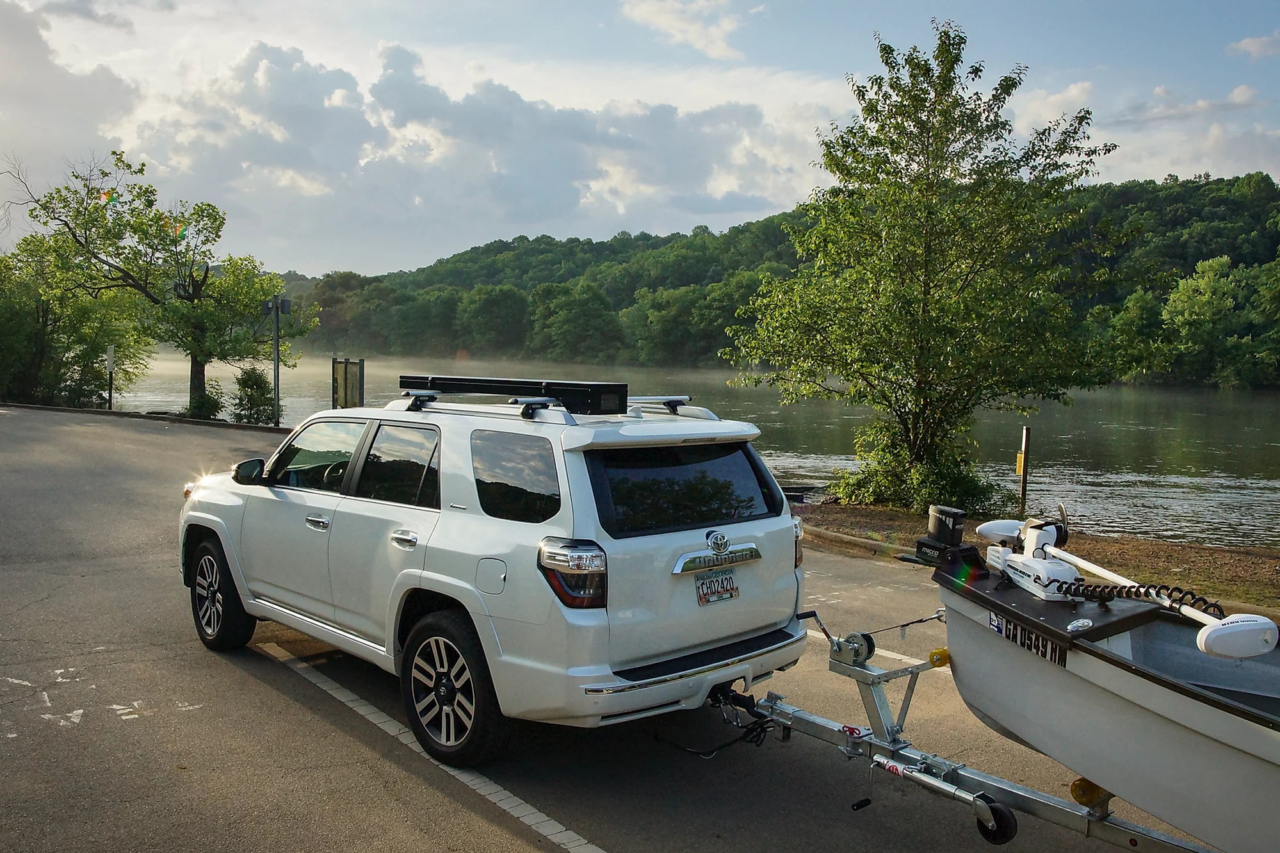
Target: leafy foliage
[(54, 338), (254, 399), (611, 284), (111, 235), (938, 275), (210, 402)]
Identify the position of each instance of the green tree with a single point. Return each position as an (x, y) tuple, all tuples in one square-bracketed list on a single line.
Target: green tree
[(493, 320), (54, 338), (425, 324), (574, 323), (254, 401), (930, 287), (1219, 327), (112, 234)]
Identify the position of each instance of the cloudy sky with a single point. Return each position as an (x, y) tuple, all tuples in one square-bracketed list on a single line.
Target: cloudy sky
[(382, 135)]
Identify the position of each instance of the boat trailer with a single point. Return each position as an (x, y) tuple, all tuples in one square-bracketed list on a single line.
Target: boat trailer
[(993, 800)]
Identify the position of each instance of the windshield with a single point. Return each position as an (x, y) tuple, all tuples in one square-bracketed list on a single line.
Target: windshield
[(645, 490)]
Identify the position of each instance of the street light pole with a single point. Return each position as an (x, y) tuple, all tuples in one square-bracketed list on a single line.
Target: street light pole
[(275, 306), (275, 412)]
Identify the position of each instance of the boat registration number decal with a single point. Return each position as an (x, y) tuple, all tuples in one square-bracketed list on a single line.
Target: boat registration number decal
[(1028, 639)]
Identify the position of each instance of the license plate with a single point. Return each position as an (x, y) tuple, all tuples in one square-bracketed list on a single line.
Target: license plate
[(716, 586)]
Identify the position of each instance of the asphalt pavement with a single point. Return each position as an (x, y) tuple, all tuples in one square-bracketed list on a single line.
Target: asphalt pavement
[(120, 731)]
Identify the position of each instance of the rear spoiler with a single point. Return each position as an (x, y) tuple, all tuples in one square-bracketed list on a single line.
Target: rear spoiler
[(668, 432)]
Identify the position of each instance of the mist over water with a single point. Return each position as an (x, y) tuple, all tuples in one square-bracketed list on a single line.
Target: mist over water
[(1176, 464)]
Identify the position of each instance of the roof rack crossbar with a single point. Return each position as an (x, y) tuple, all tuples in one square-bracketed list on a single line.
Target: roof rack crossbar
[(528, 405), (672, 402), (579, 398)]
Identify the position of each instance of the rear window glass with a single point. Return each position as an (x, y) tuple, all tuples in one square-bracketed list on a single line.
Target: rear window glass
[(655, 489), (515, 475)]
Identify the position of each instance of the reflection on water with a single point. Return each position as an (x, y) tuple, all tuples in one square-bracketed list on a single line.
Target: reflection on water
[(1194, 465)]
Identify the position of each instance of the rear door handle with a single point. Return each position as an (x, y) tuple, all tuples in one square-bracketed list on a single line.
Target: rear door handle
[(317, 522), (404, 538)]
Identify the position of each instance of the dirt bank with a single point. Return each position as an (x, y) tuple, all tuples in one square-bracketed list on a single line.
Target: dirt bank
[(1250, 575)]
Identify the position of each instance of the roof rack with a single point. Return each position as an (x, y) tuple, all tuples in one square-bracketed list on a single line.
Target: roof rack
[(579, 398), (670, 401)]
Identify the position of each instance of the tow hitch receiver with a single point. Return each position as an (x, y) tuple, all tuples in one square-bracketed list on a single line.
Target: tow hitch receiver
[(992, 799)]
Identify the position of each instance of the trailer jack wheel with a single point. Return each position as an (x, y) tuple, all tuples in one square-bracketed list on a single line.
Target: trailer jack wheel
[(1002, 815)]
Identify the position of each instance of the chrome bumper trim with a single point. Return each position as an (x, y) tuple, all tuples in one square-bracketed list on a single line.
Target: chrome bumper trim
[(615, 689)]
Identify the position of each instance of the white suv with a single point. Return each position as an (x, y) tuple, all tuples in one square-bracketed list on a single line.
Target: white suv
[(574, 556)]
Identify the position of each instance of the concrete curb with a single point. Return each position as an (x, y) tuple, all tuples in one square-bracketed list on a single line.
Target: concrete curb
[(173, 419), (831, 540), (859, 547)]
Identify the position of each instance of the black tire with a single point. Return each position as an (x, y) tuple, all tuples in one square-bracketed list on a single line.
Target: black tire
[(1006, 823), (448, 692), (215, 603)]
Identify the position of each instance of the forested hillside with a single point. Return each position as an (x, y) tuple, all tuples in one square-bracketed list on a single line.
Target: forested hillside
[(1198, 298)]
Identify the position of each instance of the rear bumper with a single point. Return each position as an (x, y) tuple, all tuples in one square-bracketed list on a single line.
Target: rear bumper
[(602, 698)]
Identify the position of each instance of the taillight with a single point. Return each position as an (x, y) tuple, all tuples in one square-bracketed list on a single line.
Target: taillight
[(576, 569), (798, 526)]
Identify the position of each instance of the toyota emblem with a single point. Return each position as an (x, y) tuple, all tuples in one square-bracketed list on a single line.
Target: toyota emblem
[(717, 542)]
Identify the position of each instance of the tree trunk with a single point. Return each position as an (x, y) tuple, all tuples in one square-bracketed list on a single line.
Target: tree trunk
[(195, 398)]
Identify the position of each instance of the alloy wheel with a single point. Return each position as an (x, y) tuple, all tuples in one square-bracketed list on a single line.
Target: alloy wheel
[(208, 596), (443, 691)]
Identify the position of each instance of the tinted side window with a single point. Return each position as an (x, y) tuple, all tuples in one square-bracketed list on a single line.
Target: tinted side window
[(318, 457), (515, 475), (402, 467)]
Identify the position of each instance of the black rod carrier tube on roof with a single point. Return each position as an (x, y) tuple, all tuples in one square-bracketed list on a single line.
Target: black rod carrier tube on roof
[(579, 398)]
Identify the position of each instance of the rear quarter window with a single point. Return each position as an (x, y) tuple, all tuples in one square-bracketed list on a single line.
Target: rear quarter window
[(515, 476), (645, 490)]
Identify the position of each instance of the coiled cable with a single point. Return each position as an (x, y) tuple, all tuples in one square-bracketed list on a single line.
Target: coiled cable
[(1107, 592)]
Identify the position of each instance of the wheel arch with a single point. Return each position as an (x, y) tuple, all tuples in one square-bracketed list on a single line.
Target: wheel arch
[(198, 527), (421, 601), (192, 537)]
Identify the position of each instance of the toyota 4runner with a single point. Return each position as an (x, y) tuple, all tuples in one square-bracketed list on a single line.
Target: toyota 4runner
[(574, 555)]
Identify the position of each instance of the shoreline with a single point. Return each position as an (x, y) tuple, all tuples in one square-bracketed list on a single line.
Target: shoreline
[(1243, 576)]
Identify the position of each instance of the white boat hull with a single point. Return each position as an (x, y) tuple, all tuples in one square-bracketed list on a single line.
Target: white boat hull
[(1212, 774)]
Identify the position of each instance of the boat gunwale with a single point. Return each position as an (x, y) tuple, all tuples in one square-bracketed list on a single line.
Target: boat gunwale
[(1199, 694)]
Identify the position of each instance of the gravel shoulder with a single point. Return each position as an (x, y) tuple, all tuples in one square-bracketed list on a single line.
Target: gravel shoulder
[(1250, 575)]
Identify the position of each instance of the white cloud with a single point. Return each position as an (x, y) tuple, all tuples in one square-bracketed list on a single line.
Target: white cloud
[(49, 114), (1167, 107), (1258, 46), (318, 170), (86, 10), (1153, 152), (1038, 107), (704, 25)]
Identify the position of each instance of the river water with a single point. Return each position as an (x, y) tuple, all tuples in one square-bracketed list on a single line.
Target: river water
[(1173, 464)]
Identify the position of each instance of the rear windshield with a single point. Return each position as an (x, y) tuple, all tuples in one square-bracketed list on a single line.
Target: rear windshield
[(644, 490)]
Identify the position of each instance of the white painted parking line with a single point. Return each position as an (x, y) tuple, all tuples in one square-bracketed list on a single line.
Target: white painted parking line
[(818, 635), (481, 784)]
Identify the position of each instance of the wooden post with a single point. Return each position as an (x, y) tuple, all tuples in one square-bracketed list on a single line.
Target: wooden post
[(333, 363), (1023, 457)]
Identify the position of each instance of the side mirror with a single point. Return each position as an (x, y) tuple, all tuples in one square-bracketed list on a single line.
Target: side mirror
[(249, 472)]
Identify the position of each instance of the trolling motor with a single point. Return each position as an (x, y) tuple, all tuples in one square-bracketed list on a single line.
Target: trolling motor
[(1050, 573), (1034, 569)]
